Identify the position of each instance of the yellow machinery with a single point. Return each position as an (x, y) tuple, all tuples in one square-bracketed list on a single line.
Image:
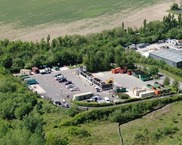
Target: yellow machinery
[(110, 81)]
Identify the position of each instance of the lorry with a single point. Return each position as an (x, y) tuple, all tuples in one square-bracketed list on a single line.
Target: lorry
[(82, 96)]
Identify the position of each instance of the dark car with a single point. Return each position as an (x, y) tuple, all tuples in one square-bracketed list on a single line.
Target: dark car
[(57, 103), (62, 80), (57, 75), (66, 105), (68, 83), (98, 89)]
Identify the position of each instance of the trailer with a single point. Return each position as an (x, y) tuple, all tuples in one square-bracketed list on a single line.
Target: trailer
[(82, 96), (147, 94), (119, 89)]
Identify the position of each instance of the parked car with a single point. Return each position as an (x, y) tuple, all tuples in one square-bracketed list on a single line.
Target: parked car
[(57, 103), (44, 72), (98, 89), (94, 99), (70, 86), (107, 100), (74, 89), (65, 105), (68, 83), (42, 96), (62, 80), (59, 77)]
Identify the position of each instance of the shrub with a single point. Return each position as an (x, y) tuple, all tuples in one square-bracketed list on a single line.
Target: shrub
[(92, 104), (73, 111), (123, 96), (170, 130), (138, 135), (120, 114), (175, 6), (75, 131)]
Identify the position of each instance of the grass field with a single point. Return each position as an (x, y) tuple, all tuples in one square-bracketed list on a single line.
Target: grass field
[(34, 12), (163, 127)]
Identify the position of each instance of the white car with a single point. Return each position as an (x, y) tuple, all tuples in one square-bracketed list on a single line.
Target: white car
[(107, 100), (70, 86), (59, 77), (74, 89)]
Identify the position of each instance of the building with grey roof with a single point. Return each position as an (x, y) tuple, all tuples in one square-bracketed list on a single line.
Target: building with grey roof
[(170, 56)]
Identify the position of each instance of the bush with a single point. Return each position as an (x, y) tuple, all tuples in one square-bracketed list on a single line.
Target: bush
[(170, 130), (156, 135), (120, 114), (22, 110), (73, 111), (91, 104), (138, 136), (75, 131), (123, 96), (175, 6)]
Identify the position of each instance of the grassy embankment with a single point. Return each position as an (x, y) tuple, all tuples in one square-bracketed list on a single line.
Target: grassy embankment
[(29, 13), (150, 129)]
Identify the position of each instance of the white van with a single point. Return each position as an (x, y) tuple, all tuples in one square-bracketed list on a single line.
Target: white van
[(107, 100)]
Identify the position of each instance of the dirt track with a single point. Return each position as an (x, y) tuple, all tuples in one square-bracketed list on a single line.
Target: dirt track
[(133, 19)]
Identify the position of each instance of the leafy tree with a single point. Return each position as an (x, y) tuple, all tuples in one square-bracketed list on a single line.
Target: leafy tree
[(175, 85), (21, 111), (175, 6), (153, 70), (166, 81)]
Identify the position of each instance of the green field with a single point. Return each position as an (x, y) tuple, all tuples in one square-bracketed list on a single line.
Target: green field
[(163, 127), (34, 12)]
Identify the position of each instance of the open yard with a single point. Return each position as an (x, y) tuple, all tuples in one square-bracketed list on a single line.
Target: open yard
[(32, 20)]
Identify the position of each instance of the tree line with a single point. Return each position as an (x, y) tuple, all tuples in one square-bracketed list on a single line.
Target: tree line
[(96, 51)]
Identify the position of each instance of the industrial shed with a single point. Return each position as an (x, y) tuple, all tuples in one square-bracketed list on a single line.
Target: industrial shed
[(170, 56)]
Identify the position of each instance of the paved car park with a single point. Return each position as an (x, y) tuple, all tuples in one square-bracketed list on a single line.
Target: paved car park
[(58, 91)]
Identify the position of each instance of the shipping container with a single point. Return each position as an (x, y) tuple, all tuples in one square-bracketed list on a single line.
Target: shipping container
[(136, 92), (35, 70), (82, 96), (147, 94)]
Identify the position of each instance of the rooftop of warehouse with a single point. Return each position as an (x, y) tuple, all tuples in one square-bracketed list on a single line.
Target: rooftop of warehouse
[(169, 54)]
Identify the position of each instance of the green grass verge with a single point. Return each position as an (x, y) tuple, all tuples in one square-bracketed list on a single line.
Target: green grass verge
[(99, 114), (150, 130), (29, 13)]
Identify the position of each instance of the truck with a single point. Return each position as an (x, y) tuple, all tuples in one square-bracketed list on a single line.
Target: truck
[(82, 96)]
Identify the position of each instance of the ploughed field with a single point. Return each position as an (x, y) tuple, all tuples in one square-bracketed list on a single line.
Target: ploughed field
[(35, 12)]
